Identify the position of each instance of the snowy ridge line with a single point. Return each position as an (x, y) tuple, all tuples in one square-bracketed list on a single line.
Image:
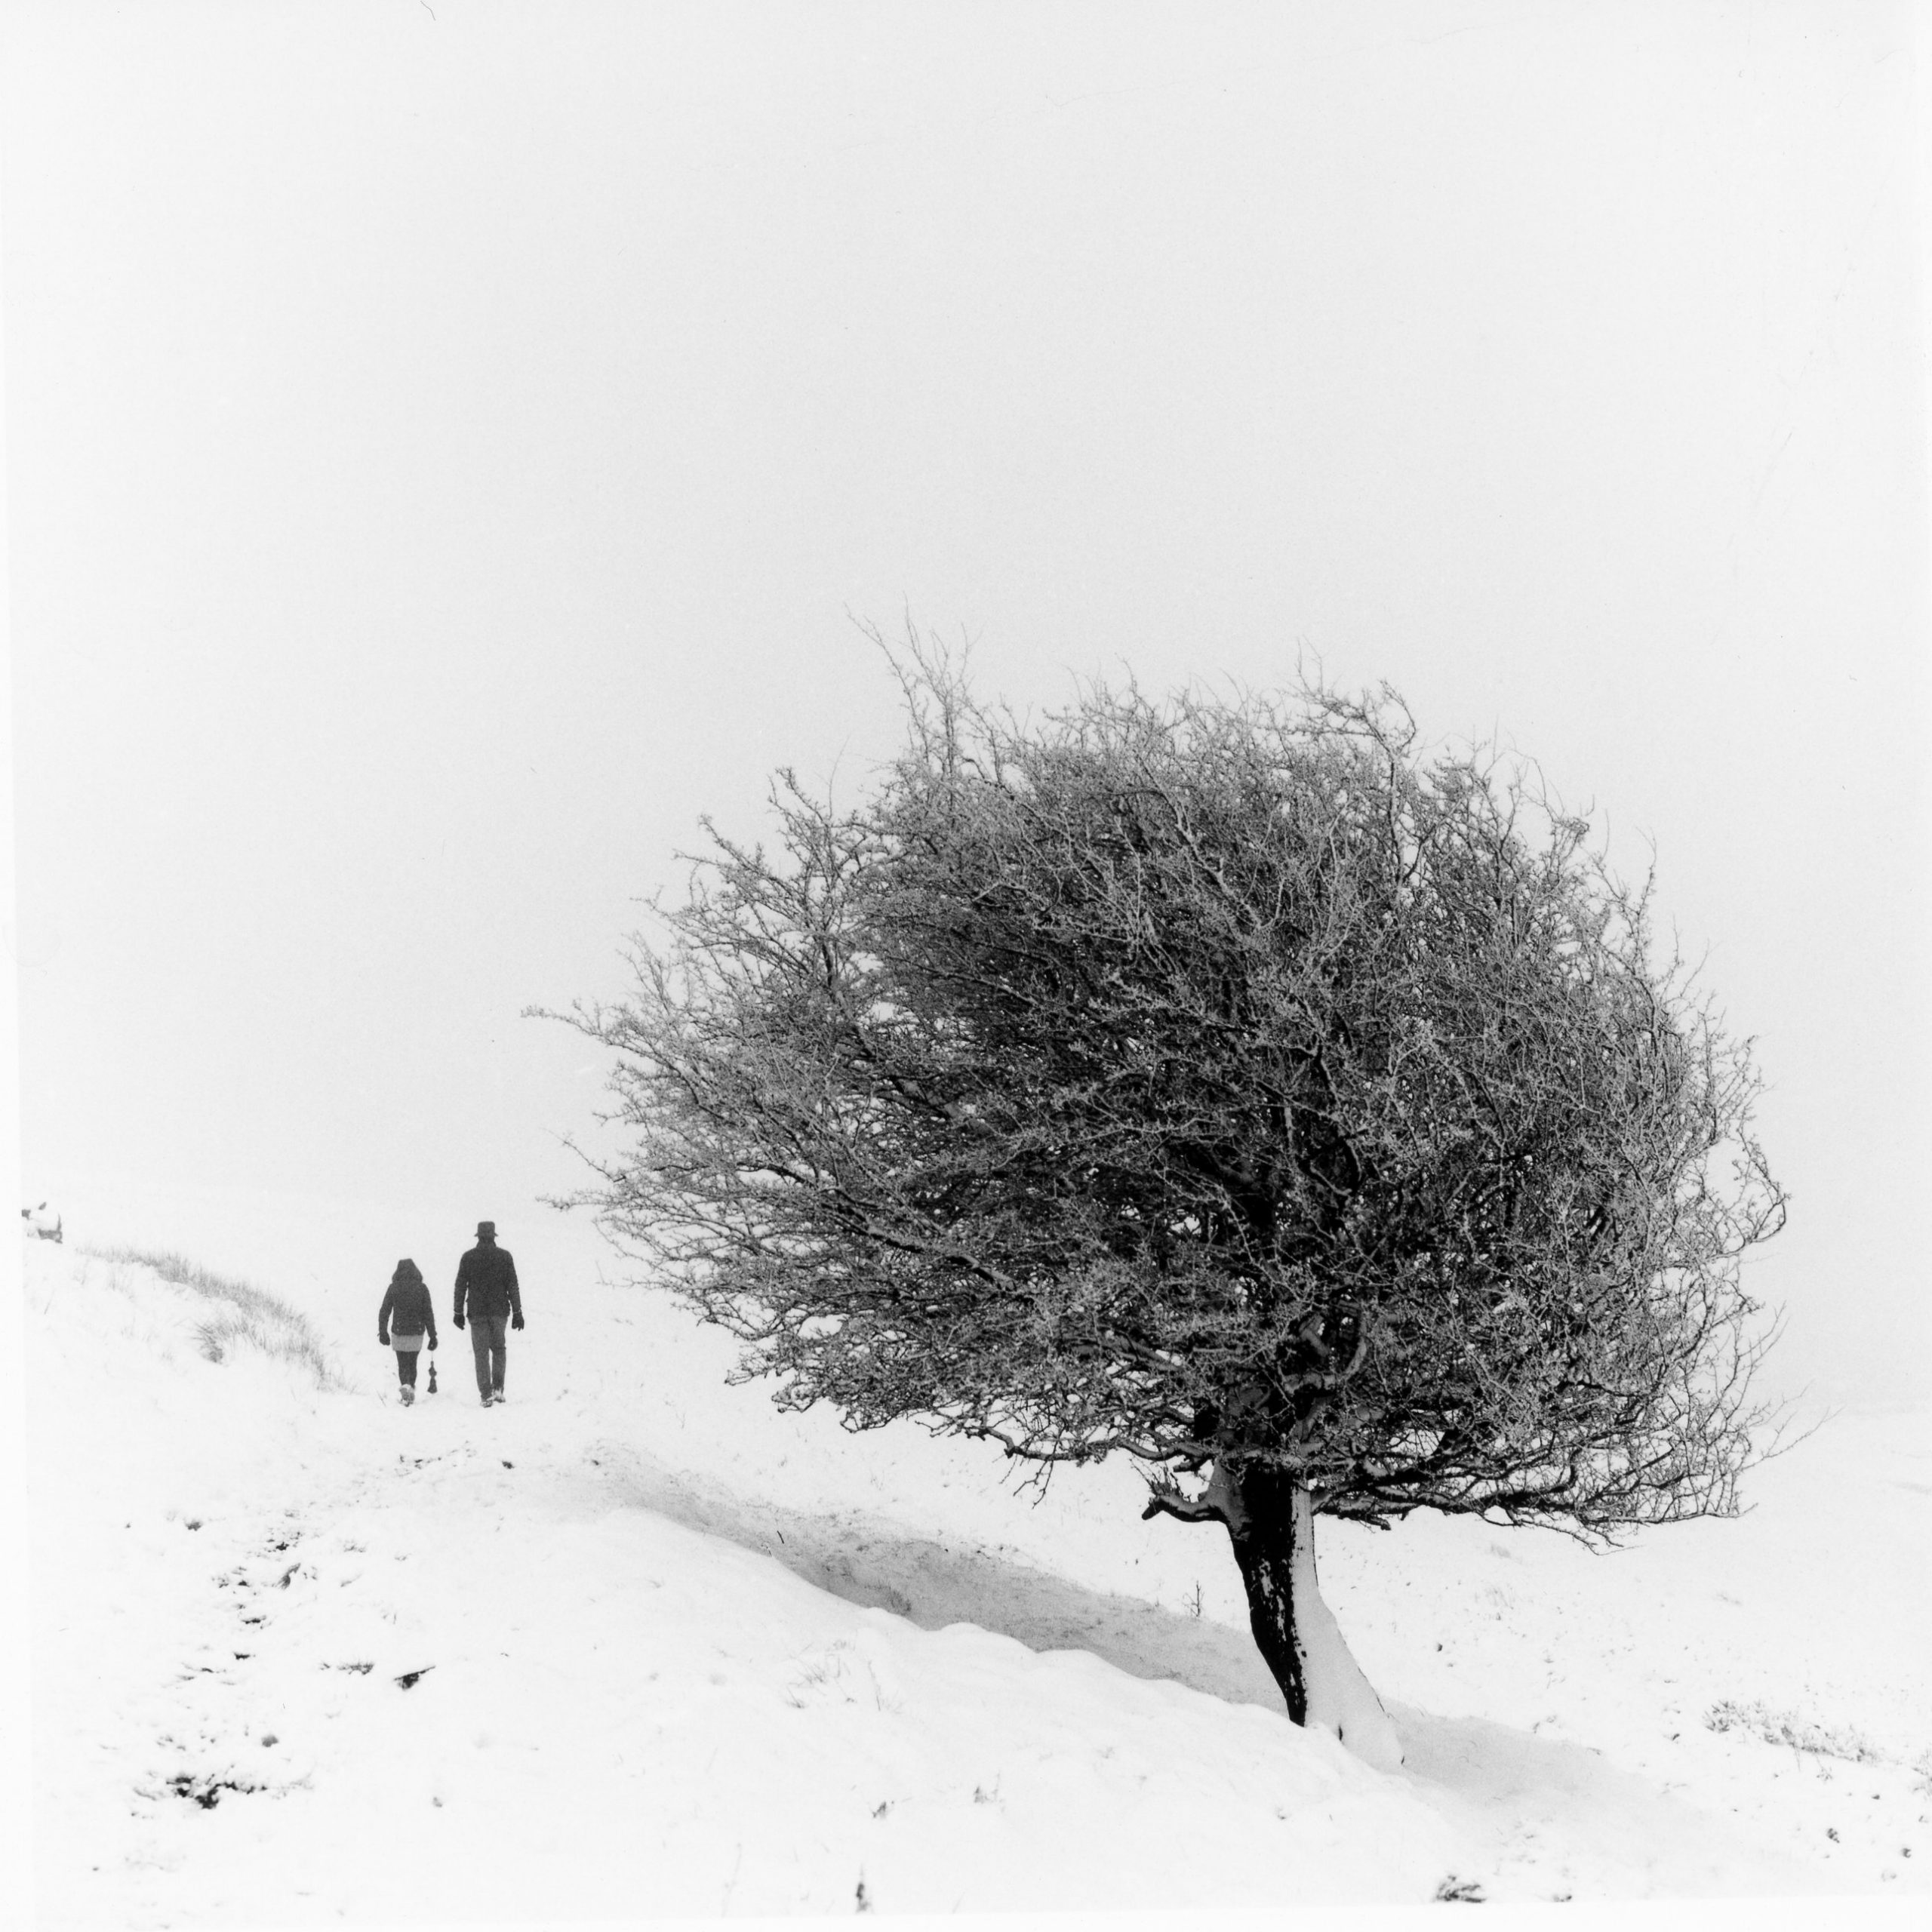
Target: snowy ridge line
[(247, 1313), (872, 1562)]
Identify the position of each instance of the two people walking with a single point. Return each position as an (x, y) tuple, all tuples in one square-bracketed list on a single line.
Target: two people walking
[(487, 1300)]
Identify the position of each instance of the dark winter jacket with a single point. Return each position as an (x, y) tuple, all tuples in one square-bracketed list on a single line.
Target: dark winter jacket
[(407, 1309), (486, 1284)]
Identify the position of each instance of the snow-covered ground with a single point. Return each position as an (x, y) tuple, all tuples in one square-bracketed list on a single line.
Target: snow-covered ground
[(637, 1645)]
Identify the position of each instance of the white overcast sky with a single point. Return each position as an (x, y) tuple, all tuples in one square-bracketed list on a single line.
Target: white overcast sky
[(447, 446)]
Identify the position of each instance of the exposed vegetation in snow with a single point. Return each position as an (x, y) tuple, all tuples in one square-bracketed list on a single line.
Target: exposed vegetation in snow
[(245, 1314)]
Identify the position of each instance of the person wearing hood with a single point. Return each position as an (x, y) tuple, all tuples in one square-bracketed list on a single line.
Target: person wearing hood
[(487, 1296), (407, 1315)]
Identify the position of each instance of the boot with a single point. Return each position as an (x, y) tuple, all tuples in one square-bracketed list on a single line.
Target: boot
[(408, 1395)]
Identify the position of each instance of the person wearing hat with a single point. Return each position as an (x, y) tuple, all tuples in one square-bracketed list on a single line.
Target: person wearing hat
[(487, 1294), (407, 1315)]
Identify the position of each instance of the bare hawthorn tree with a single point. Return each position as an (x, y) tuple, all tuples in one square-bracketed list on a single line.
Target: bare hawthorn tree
[(1221, 1083)]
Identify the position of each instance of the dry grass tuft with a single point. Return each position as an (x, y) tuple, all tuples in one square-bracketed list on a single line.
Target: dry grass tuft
[(246, 1316), (1799, 1733)]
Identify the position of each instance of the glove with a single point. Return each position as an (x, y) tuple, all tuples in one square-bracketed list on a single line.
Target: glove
[(459, 1321), (516, 1321), (433, 1345), (383, 1339)]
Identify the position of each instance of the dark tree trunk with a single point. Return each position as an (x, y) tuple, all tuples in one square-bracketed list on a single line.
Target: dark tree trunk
[(1262, 1531), (1271, 1521)]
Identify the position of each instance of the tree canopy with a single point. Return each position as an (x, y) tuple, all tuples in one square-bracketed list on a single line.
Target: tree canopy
[(1228, 1082)]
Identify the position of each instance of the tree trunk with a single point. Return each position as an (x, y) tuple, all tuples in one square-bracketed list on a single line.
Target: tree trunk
[(1271, 1524)]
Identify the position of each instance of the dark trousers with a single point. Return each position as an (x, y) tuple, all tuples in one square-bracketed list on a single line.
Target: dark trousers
[(405, 1367), (488, 1336)]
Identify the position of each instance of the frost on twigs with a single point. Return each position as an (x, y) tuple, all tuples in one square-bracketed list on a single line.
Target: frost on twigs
[(1229, 1083)]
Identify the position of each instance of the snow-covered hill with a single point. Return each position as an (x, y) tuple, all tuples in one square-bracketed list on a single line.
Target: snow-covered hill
[(637, 1645)]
